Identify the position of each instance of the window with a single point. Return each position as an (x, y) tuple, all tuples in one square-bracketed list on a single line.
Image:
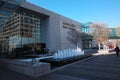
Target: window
[(26, 30), (5, 12), (26, 20), (11, 6), (26, 25), (31, 21), (18, 1), (3, 19), (31, 26)]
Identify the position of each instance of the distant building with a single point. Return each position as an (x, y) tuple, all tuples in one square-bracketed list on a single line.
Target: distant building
[(114, 37), (87, 39), (113, 34)]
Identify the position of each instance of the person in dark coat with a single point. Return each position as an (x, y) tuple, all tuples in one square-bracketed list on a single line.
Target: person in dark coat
[(117, 50)]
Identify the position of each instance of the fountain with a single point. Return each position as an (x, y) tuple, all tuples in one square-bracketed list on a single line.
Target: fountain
[(61, 54), (62, 57)]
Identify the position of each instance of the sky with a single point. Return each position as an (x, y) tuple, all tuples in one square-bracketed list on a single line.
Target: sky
[(96, 11)]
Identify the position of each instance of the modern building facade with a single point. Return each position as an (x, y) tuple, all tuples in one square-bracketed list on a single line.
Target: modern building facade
[(114, 37), (113, 33), (7, 7), (35, 27), (87, 39)]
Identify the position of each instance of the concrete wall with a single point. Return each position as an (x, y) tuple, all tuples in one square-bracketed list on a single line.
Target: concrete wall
[(64, 32), (25, 68)]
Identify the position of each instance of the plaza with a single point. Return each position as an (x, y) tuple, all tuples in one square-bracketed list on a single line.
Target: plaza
[(100, 67), (34, 45)]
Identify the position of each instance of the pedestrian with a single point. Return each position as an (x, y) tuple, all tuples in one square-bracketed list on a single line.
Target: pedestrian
[(117, 50)]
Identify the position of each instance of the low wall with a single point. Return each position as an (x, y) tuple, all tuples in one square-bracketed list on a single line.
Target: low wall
[(26, 68)]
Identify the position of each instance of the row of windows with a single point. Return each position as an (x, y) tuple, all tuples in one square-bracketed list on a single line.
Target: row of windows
[(25, 18), (24, 14), (14, 17), (25, 34), (10, 27), (15, 34), (31, 21), (37, 31), (26, 30), (30, 26), (5, 12), (10, 33), (12, 23)]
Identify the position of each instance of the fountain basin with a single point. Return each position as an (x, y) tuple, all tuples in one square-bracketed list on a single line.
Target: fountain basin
[(63, 61)]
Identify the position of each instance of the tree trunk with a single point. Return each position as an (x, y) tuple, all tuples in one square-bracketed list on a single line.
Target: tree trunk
[(99, 45)]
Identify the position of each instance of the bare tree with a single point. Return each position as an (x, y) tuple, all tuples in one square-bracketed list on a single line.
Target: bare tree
[(74, 37), (100, 33)]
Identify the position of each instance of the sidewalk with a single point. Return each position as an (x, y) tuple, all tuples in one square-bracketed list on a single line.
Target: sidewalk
[(102, 67), (10, 75)]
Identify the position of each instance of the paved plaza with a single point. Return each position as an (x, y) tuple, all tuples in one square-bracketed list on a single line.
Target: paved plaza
[(101, 67)]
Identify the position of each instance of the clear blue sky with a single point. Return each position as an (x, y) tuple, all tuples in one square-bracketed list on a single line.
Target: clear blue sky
[(106, 11)]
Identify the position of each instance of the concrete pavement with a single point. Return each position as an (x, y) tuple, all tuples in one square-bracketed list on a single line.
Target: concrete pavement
[(102, 67)]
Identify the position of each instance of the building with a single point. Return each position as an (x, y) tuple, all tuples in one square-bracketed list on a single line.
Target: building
[(87, 38), (113, 33), (37, 28), (7, 7), (114, 37)]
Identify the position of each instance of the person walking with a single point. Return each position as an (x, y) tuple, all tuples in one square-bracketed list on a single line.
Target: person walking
[(117, 50)]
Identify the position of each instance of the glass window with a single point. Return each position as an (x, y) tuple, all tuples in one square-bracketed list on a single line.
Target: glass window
[(31, 21), (26, 20), (31, 26), (11, 6), (26, 25), (1, 3), (1, 25), (22, 24), (26, 30), (5, 12), (18, 1), (2, 19)]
